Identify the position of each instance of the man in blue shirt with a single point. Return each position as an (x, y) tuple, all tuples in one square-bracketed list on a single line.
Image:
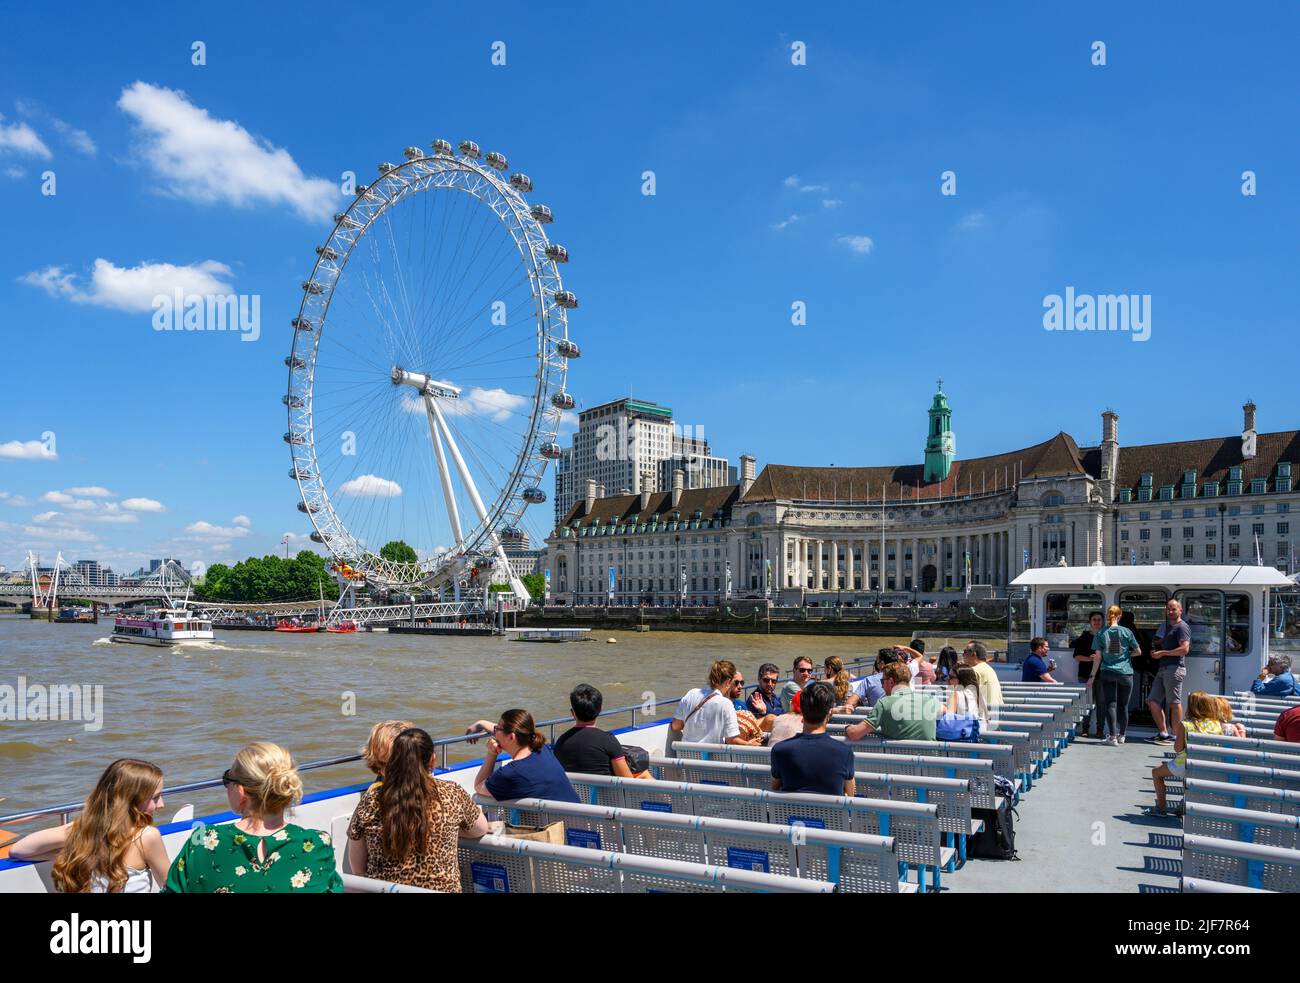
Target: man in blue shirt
[(765, 700), (1282, 682), (1037, 668), (814, 761)]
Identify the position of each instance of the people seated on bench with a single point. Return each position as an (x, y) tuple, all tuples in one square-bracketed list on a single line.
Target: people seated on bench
[(706, 715), (380, 743), (258, 853), (947, 664), (765, 700), (976, 656), (914, 653), (901, 714), (532, 771), (964, 697), (1287, 727), (585, 748), (802, 670), (1037, 668), (841, 684), (813, 761), (1114, 647), (405, 828), (1205, 715), (751, 729), (869, 689), (1276, 678), (788, 724), (113, 845)]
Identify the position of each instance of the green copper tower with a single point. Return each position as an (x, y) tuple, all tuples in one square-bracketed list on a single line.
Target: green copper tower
[(941, 444)]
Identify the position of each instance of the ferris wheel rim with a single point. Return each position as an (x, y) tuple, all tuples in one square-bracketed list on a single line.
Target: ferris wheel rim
[(399, 183)]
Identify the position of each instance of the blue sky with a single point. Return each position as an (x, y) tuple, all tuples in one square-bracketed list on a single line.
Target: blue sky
[(775, 184)]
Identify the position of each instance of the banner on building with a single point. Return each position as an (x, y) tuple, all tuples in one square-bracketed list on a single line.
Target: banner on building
[(1024, 559), (546, 593), (683, 582), (767, 578), (611, 585), (728, 580)]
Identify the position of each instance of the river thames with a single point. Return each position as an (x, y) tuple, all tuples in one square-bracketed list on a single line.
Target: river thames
[(190, 710)]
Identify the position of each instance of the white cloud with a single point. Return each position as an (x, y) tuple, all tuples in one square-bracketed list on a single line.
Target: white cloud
[(17, 501), (132, 288), (27, 450), (19, 138), (784, 222), (118, 518), (17, 173), (56, 498), (207, 530), (59, 534), (90, 491), (211, 160), (242, 520), (858, 244), (794, 184), (971, 221), (79, 139), (370, 486), (45, 516), (832, 202), (142, 505)]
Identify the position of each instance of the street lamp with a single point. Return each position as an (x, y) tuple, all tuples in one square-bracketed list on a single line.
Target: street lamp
[(1223, 543)]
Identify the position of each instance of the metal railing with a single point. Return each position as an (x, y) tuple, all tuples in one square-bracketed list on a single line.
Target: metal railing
[(441, 746)]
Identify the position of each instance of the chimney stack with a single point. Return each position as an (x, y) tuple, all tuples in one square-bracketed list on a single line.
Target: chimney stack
[(600, 491), (589, 497), (1248, 432), (747, 473), (645, 500), (679, 477)]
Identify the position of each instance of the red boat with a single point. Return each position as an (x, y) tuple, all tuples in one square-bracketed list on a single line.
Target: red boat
[(342, 627), (290, 626)]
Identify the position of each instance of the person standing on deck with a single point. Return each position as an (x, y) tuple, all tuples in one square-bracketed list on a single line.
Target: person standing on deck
[(1172, 643), (1084, 662), (1116, 646)]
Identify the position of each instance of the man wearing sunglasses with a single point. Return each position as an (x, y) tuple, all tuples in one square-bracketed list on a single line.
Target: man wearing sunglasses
[(803, 668), (766, 701)]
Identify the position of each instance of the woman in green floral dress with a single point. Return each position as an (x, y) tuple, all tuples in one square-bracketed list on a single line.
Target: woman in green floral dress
[(260, 852)]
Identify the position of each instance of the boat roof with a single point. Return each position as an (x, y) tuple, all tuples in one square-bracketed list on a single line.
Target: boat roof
[(1180, 575)]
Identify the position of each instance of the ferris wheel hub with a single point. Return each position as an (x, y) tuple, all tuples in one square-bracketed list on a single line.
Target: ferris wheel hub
[(423, 384)]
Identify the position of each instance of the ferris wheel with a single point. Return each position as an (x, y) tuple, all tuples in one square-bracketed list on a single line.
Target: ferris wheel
[(427, 375)]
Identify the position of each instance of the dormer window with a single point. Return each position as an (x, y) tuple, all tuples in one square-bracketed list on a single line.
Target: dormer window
[(1166, 493), (1257, 486)]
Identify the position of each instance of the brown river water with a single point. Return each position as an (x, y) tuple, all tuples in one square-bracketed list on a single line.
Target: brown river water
[(190, 710)]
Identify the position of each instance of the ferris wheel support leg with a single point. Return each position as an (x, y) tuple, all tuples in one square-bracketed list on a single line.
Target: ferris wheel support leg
[(444, 476), (516, 585)]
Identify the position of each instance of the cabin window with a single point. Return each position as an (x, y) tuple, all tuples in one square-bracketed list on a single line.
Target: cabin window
[(1144, 610), (1067, 614), (1284, 622)]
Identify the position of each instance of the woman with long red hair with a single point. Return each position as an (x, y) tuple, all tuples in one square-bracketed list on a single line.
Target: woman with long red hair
[(113, 846)]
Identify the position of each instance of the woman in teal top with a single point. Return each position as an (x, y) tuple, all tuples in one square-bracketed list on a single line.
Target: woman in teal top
[(1113, 647), (259, 852)]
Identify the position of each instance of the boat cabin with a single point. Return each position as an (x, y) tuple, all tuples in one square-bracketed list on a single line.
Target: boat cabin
[(1237, 614)]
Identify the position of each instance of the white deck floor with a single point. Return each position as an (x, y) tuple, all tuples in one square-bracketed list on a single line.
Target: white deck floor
[(1081, 828)]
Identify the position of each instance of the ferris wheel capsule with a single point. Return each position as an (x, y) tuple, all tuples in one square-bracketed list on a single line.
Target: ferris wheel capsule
[(312, 287), (550, 450), (442, 147), (346, 221), (291, 401), (295, 361), (542, 214), (301, 324), (413, 153), (309, 508), (496, 161), (566, 299), (316, 537), (325, 252), (295, 438), (298, 474), (563, 401), (385, 167), (534, 496), (511, 534), (468, 148), (557, 253), (521, 182), (567, 349)]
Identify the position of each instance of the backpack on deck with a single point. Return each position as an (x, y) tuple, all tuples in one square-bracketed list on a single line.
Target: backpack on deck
[(997, 840)]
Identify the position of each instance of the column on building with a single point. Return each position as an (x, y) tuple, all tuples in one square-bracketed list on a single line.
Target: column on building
[(817, 581), (848, 564), (866, 564), (916, 563)]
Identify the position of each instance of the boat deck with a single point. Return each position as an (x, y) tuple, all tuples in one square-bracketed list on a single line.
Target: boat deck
[(1081, 828)]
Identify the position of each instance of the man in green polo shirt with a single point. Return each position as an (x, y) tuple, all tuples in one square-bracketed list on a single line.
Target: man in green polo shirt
[(900, 714)]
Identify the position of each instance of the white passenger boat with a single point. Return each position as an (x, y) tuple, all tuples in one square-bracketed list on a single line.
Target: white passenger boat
[(548, 634), (163, 627)]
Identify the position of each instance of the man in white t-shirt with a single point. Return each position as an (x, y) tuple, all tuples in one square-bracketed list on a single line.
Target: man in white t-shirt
[(707, 715)]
